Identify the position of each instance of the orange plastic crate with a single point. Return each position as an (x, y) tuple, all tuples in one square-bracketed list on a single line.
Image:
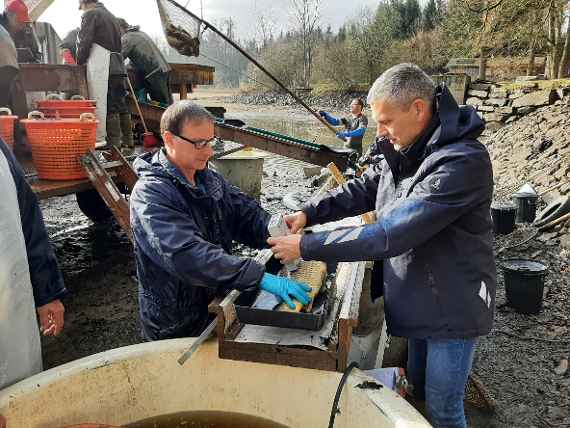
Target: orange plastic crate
[(66, 112), (58, 144), (55, 107), (7, 121)]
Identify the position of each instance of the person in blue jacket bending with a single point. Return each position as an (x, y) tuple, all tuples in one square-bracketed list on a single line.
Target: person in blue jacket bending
[(433, 241), (184, 219), (355, 125)]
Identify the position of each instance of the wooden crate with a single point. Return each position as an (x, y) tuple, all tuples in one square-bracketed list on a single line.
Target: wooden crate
[(342, 319)]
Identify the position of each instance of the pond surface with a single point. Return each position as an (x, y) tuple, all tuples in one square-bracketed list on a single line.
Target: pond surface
[(205, 419)]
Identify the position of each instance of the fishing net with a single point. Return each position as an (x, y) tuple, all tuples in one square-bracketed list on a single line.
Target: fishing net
[(182, 30)]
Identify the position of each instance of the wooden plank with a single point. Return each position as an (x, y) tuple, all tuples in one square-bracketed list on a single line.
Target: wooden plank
[(124, 171), (280, 355), (45, 189), (104, 184)]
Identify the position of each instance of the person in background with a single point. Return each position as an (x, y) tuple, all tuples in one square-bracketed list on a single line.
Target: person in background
[(148, 62), (12, 94), (16, 20), (185, 218), (68, 47), (31, 284), (433, 241), (99, 47), (355, 125)]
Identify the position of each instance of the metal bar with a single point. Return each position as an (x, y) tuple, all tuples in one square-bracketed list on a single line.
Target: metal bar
[(283, 148), (201, 339), (317, 155), (54, 77)]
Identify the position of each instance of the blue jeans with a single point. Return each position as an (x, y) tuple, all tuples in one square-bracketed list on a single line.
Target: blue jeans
[(438, 371)]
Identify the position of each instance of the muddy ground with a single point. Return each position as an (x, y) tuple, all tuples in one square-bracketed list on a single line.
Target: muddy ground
[(515, 363)]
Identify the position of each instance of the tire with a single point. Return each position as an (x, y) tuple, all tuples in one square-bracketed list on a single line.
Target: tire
[(93, 206)]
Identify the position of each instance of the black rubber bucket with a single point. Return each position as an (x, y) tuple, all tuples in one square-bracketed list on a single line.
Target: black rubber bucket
[(526, 208), (504, 216), (524, 285)]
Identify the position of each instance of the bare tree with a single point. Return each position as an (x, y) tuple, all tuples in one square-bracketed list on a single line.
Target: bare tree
[(306, 14)]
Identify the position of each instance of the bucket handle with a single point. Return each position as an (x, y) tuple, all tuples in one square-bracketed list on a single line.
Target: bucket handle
[(84, 117), (78, 98), (52, 97), (36, 115), (5, 111)]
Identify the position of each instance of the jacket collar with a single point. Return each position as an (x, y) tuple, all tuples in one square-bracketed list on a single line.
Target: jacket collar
[(207, 184), (405, 162)]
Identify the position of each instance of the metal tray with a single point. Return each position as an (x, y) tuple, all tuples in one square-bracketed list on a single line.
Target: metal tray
[(262, 313)]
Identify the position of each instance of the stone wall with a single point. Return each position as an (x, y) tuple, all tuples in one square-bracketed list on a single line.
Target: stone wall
[(499, 105)]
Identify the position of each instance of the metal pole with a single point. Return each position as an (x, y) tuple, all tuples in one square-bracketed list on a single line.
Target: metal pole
[(258, 65)]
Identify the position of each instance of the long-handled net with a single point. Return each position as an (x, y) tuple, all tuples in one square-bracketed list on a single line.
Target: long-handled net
[(182, 30)]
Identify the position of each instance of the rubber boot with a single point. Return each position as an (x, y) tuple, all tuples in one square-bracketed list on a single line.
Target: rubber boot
[(114, 130), (127, 133)]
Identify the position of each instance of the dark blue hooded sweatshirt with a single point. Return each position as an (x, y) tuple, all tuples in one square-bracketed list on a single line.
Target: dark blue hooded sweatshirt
[(183, 236), (433, 236)]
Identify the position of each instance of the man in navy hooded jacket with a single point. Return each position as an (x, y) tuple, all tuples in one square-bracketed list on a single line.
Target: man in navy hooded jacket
[(433, 238), (184, 219)]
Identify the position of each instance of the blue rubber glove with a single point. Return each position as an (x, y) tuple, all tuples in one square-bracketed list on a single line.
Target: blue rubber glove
[(285, 288), (330, 119), (359, 132), (142, 96)]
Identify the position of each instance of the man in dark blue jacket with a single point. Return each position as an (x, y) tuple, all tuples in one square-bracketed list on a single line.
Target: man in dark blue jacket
[(184, 219), (432, 195)]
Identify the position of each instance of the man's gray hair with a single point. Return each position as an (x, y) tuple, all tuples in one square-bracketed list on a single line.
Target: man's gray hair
[(402, 84), (181, 113)]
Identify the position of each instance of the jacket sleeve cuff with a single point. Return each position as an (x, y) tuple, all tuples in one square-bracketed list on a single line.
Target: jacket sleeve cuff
[(44, 300), (251, 278), (311, 212)]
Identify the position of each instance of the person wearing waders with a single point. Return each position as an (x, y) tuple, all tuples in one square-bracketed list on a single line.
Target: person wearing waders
[(149, 64), (432, 243), (31, 284), (355, 125), (185, 218), (99, 48)]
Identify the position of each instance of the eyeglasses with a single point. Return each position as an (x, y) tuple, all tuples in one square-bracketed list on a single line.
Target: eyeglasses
[(200, 144)]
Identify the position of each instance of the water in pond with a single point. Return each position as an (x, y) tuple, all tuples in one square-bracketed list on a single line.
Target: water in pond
[(205, 419)]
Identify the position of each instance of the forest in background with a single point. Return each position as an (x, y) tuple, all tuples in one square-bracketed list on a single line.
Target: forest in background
[(310, 54)]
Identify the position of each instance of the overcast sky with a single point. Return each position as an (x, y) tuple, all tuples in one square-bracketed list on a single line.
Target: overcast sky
[(64, 16)]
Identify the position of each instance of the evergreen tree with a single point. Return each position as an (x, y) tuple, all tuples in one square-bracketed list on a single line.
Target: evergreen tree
[(430, 16)]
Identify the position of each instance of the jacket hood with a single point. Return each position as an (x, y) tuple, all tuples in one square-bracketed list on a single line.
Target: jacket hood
[(156, 165), (449, 124), (456, 122)]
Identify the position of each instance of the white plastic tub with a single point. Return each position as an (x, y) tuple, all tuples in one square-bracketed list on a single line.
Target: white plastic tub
[(142, 381)]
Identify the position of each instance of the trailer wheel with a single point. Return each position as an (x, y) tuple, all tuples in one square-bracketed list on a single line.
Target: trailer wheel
[(93, 206)]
